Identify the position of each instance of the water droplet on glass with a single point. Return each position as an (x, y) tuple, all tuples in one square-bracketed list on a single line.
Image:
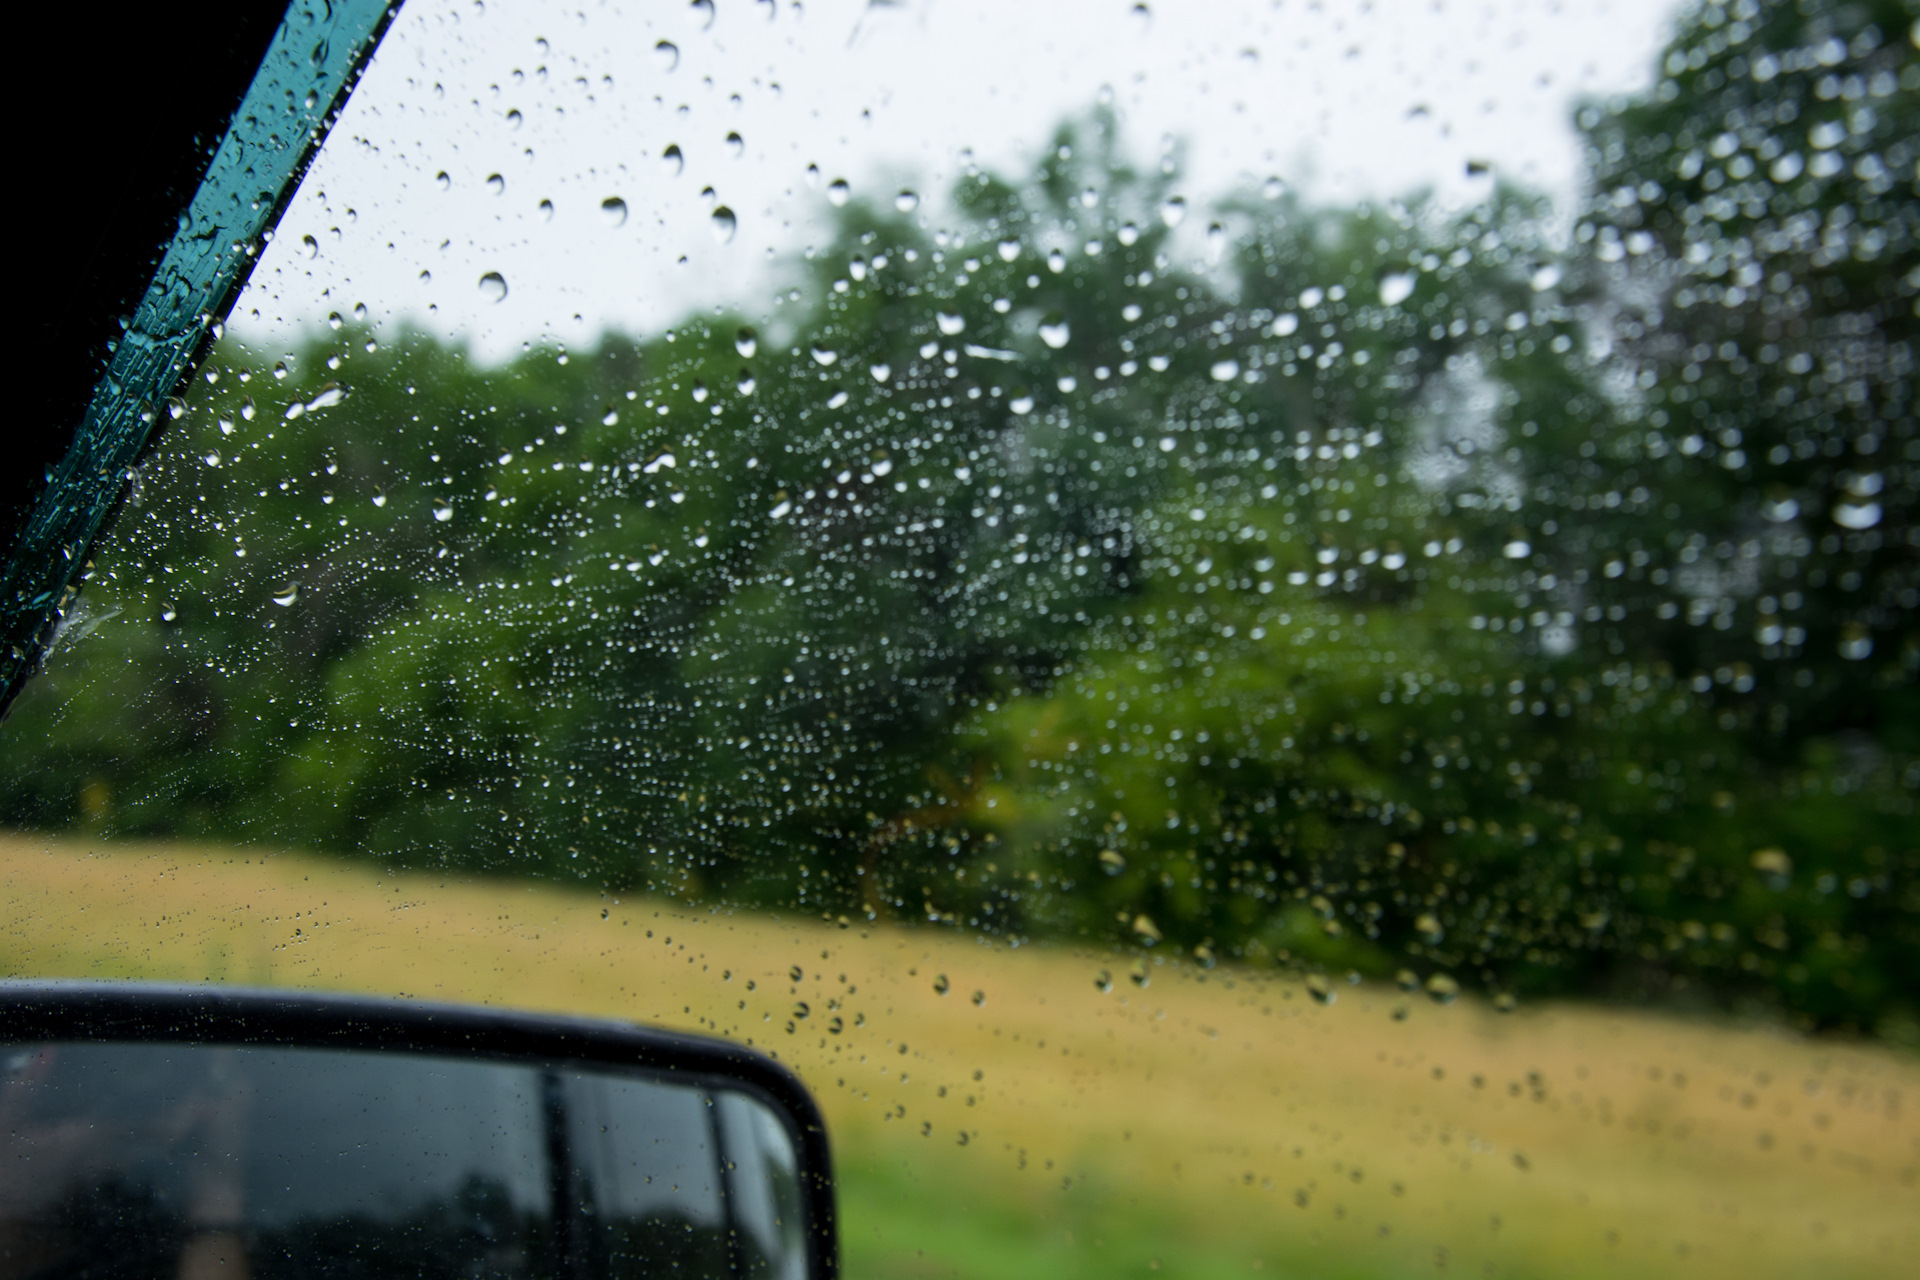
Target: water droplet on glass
[(1009, 250), (496, 183), (1054, 331), (1216, 243), (1545, 276), (287, 595), (1856, 515), (546, 210), (701, 14), (737, 145), (515, 119), (1129, 235), (724, 224), (1056, 261), (880, 372), (1103, 980), (838, 191), (950, 322), (379, 498), (882, 466), (837, 399), (168, 613), (746, 384), (746, 342), (493, 286), (672, 160), (1396, 287), (667, 55), (1517, 549), (613, 209), (1112, 861), (1022, 403), (1273, 188), (211, 458), (1285, 323), (359, 311), (824, 356), (979, 997), (1224, 370), (1174, 211), (1780, 510), (906, 201), (940, 985), (445, 182), (801, 1010), (1443, 988), (333, 320), (310, 246), (1320, 989)]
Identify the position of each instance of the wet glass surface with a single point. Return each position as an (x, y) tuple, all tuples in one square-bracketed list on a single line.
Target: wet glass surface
[(1406, 512)]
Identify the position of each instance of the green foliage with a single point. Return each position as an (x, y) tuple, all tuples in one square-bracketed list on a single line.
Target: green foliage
[(1412, 594)]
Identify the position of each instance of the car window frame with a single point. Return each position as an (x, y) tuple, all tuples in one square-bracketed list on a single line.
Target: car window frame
[(310, 67)]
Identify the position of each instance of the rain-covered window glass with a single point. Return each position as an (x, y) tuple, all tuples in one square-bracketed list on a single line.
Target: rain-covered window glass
[(1260, 636)]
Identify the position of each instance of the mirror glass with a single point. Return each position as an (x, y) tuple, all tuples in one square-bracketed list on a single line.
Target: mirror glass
[(134, 1160)]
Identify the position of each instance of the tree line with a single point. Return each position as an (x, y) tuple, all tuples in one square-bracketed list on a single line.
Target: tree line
[(1406, 592)]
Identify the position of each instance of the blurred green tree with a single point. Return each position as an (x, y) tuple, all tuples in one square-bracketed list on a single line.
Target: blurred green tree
[(1406, 591)]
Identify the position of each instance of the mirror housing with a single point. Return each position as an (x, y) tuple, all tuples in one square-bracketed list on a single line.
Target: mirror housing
[(293, 1131)]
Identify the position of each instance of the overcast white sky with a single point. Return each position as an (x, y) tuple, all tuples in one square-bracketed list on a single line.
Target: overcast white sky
[(578, 104)]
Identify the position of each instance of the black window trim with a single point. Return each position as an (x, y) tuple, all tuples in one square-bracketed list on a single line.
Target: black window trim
[(310, 66)]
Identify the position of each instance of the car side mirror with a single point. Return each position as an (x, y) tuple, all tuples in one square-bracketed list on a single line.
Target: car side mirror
[(196, 1132)]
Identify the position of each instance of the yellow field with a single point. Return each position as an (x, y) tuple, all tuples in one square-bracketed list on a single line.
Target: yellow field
[(1217, 1123)]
